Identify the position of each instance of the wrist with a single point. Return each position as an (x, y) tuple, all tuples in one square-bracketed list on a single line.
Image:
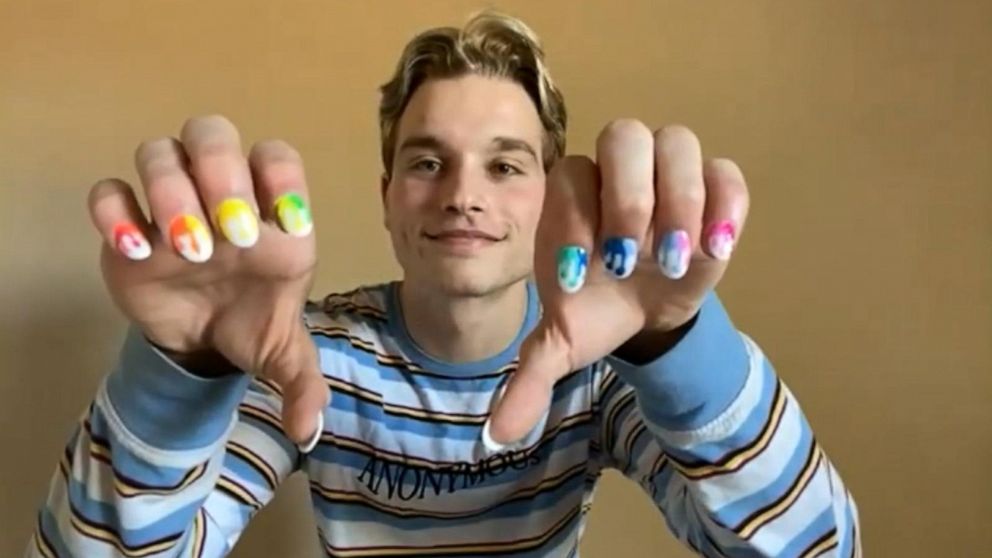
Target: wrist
[(206, 363), (652, 342)]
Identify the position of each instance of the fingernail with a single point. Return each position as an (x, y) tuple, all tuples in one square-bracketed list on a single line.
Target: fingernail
[(237, 221), (315, 438), (620, 256), (674, 254), (191, 238), (572, 264), (131, 242), (720, 240), (487, 440), (294, 215)]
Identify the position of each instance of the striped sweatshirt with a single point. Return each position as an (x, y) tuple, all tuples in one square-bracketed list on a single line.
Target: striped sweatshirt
[(168, 464)]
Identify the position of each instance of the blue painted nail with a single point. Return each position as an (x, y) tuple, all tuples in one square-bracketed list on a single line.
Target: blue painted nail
[(674, 253), (572, 264), (620, 256)]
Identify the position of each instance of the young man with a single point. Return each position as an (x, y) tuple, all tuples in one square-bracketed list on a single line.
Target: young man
[(467, 418)]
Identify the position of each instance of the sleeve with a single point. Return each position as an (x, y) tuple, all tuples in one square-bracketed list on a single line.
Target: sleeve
[(164, 463), (723, 449)]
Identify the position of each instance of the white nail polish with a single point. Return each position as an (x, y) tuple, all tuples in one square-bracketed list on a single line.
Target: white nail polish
[(312, 443), (487, 440)]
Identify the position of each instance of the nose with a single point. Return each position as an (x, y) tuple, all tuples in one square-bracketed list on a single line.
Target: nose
[(463, 191)]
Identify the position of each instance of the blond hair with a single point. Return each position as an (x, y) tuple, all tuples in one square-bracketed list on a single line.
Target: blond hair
[(489, 44)]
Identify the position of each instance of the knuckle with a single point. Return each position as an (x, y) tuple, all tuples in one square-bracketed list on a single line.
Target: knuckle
[(724, 170), (275, 149), (207, 121), (636, 209), (624, 131), (151, 149), (103, 189), (280, 173), (675, 137)]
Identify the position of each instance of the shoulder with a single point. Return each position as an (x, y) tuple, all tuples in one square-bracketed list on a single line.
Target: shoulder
[(360, 310)]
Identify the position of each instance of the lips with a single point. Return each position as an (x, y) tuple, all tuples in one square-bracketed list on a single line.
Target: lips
[(463, 234)]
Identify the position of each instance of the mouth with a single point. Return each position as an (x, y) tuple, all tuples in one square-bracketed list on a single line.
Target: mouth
[(463, 235), (462, 241)]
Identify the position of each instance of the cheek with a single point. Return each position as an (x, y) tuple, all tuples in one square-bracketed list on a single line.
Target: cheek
[(403, 202), (525, 207)]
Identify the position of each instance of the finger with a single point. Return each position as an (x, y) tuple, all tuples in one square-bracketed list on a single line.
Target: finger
[(223, 180), (544, 358), (625, 156), (680, 196), (569, 219), (727, 203), (172, 199), (116, 214), (305, 394), (280, 186)]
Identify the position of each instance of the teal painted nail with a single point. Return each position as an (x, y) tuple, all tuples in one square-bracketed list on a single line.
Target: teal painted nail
[(573, 261)]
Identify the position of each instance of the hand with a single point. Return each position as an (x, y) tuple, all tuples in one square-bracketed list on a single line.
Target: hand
[(626, 247), (206, 275)]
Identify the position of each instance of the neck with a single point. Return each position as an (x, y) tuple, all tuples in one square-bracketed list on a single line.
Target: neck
[(463, 329)]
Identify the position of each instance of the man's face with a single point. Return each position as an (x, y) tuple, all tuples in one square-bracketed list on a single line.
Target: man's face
[(466, 186)]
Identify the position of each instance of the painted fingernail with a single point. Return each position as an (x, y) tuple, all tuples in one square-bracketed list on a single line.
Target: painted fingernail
[(572, 264), (191, 238), (487, 440), (308, 446), (131, 242), (674, 254), (620, 256), (294, 215), (720, 240), (237, 221)]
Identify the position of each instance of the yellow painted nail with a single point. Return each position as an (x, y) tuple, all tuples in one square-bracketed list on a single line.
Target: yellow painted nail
[(237, 221)]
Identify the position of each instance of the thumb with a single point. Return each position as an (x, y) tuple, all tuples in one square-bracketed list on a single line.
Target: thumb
[(544, 359), (305, 394)]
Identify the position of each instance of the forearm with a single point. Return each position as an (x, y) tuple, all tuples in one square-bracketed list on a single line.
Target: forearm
[(142, 461), (736, 439)]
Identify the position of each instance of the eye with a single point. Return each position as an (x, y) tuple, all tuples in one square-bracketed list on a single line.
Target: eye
[(502, 168), (427, 165)]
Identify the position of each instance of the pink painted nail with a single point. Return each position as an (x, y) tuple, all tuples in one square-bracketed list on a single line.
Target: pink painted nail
[(720, 240)]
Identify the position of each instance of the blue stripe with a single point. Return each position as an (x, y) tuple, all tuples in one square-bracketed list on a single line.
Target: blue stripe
[(735, 512), (165, 407), (107, 515), (333, 349), (49, 527), (272, 432), (126, 463), (823, 522), (745, 434), (847, 534), (245, 471)]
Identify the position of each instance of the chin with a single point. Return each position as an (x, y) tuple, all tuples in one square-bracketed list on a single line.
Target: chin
[(472, 280)]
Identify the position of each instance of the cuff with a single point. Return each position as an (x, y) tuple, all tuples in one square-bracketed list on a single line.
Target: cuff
[(697, 379), (165, 406)]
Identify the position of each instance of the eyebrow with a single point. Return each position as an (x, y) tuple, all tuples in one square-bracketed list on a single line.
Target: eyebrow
[(501, 144), (513, 144)]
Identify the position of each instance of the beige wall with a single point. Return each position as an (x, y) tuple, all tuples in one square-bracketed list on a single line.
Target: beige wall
[(864, 128)]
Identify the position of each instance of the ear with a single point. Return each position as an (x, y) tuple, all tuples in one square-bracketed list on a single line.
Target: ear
[(383, 187)]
